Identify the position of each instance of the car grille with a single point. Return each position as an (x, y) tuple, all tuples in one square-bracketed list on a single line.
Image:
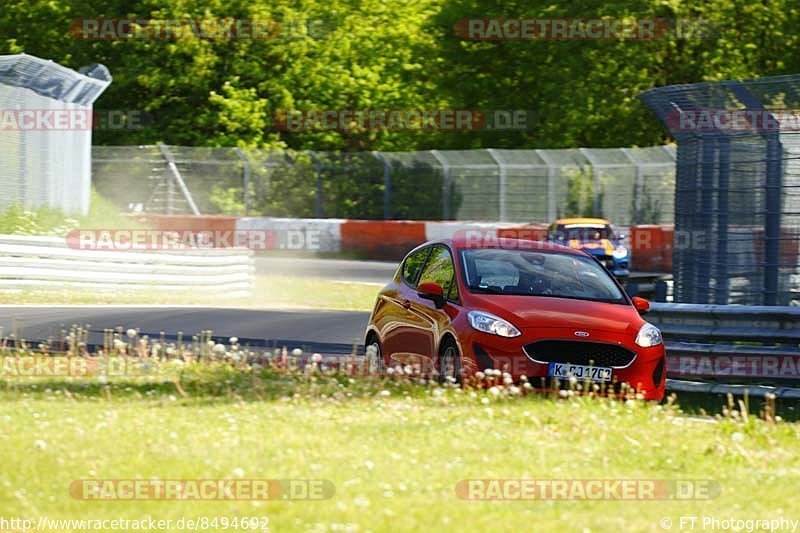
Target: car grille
[(580, 353)]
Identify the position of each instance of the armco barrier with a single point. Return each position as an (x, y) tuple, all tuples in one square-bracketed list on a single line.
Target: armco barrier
[(47, 262), (752, 348), (381, 239), (189, 222)]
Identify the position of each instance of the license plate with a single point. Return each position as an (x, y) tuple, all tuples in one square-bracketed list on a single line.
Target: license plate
[(579, 372)]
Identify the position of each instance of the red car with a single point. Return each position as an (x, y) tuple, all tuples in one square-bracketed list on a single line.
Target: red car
[(520, 306)]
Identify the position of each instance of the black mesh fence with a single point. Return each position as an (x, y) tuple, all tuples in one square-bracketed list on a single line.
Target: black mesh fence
[(737, 194)]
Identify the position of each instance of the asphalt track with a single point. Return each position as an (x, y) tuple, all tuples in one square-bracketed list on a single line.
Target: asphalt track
[(329, 332), (373, 272)]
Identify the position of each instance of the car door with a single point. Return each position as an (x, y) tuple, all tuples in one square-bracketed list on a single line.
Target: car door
[(394, 319), (425, 320)]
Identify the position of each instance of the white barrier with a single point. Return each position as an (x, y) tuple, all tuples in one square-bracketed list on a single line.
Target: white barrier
[(45, 262)]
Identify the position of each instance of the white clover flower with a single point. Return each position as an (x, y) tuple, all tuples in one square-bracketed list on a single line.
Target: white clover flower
[(238, 472), (523, 377), (573, 380), (233, 340), (316, 358), (508, 381), (408, 370), (494, 391), (118, 344), (131, 333), (371, 350), (40, 444), (385, 392), (514, 391), (484, 400), (219, 348), (297, 352), (369, 464), (563, 393), (480, 375), (390, 371), (527, 385), (737, 437)]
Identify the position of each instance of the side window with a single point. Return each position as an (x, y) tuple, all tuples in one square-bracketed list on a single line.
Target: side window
[(413, 265), (439, 268)]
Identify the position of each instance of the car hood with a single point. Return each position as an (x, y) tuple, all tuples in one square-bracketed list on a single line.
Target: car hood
[(549, 312)]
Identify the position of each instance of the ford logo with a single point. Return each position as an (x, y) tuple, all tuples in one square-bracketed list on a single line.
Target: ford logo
[(581, 334)]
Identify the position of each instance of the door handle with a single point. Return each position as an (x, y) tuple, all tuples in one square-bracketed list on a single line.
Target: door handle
[(407, 304)]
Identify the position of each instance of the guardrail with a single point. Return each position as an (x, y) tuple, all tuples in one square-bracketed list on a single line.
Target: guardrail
[(28, 262), (753, 349)]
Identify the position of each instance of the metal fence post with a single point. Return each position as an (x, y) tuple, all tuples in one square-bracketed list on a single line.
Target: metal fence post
[(721, 253), (176, 176), (246, 162), (552, 207), (315, 159), (501, 187), (442, 160), (595, 181), (387, 184), (638, 188)]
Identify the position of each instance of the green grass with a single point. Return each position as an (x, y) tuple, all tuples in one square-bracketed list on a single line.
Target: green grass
[(18, 220), (394, 456), (270, 292)]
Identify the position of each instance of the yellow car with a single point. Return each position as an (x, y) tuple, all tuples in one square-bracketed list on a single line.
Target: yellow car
[(595, 236)]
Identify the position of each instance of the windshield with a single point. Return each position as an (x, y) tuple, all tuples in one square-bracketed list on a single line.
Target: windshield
[(538, 273), (583, 233)]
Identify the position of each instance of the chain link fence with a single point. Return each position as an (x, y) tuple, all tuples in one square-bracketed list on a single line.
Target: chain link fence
[(45, 132), (627, 185), (738, 189)]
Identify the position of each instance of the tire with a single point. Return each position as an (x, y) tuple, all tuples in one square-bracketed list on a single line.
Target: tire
[(449, 361), (375, 364)]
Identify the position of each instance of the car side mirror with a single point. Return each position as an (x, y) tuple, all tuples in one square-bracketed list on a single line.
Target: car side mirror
[(641, 305), (432, 291)]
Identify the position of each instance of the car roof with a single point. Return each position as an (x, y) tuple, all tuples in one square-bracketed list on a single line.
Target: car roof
[(565, 221), (492, 242)]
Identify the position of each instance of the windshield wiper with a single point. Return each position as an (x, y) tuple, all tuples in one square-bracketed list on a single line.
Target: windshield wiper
[(486, 289)]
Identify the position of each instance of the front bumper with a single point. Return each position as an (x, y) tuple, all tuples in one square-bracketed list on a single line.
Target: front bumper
[(646, 373)]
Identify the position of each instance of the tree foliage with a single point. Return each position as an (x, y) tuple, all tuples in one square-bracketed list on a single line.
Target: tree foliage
[(378, 55)]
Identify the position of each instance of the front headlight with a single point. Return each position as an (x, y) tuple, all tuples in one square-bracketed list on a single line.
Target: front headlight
[(648, 336), (488, 323), (620, 253)]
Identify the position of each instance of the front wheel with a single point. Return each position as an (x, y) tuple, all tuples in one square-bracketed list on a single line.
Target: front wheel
[(374, 357), (449, 362)]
